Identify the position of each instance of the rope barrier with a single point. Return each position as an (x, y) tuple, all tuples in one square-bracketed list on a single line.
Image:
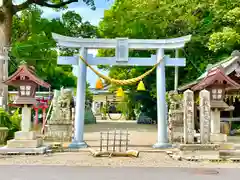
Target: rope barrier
[(121, 82)]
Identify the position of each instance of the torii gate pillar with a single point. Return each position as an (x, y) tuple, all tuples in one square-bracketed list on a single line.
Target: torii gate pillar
[(162, 139), (78, 141)]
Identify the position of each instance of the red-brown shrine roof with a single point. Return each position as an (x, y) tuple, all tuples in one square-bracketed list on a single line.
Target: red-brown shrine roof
[(213, 76), (24, 70)]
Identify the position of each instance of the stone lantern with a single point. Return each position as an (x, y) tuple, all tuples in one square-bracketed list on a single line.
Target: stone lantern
[(216, 82), (27, 82)]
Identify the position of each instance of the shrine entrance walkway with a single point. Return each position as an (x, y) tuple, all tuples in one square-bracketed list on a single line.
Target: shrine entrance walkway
[(142, 136)]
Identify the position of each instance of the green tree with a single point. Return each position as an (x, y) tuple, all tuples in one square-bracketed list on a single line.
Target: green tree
[(214, 26), (33, 43), (8, 10)]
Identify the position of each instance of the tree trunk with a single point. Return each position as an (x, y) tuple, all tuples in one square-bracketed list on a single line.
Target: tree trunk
[(6, 16)]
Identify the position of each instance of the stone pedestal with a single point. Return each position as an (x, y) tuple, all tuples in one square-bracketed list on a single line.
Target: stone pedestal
[(24, 141), (216, 136), (215, 121), (26, 119)]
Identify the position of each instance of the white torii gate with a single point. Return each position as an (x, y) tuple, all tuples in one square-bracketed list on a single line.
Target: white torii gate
[(122, 46)]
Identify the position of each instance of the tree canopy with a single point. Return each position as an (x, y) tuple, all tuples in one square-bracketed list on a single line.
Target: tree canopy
[(32, 42), (214, 26)]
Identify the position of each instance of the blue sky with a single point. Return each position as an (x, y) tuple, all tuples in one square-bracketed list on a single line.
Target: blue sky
[(94, 17), (87, 14)]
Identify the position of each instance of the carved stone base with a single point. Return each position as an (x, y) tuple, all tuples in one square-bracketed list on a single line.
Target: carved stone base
[(217, 138), (59, 132)]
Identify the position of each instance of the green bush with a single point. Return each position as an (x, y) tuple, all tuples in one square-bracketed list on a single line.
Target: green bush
[(12, 122), (15, 123), (4, 119)]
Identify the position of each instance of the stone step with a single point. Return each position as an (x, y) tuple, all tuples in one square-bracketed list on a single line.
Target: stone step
[(26, 151), (227, 146), (200, 155), (237, 146), (13, 143), (199, 147), (229, 153)]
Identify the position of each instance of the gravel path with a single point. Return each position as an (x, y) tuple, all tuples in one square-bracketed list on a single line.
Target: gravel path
[(85, 159)]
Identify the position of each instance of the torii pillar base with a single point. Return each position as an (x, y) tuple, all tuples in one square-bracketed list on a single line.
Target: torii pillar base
[(77, 145), (162, 146)]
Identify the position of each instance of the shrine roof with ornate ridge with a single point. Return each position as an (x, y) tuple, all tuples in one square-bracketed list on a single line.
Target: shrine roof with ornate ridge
[(214, 75), (26, 71), (73, 42), (229, 65)]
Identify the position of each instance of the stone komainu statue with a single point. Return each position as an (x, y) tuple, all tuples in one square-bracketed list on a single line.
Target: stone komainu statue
[(60, 122), (60, 125)]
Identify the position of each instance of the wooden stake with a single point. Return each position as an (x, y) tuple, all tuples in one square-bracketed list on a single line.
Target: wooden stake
[(101, 138), (107, 139), (114, 141), (120, 141)]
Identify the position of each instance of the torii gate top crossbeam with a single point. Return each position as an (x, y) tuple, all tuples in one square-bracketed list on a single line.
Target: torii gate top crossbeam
[(72, 42)]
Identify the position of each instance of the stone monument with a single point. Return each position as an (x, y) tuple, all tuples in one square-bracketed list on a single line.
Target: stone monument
[(188, 119), (25, 141), (205, 117)]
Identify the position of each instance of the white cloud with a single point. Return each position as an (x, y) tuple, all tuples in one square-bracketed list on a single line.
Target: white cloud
[(86, 13)]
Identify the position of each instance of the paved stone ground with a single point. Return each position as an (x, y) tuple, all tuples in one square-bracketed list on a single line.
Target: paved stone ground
[(85, 159), (101, 173)]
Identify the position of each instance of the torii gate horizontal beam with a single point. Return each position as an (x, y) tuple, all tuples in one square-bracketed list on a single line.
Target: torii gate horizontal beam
[(74, 60), (72, 42)]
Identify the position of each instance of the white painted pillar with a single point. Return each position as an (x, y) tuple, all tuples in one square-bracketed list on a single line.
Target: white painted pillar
[(176, 72), (215, 121), (162, 141), (80, 103), (93, 107), (26, 119)]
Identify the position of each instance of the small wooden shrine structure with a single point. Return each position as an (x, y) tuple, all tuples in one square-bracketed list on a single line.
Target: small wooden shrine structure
[(223, 81), (217, 83)]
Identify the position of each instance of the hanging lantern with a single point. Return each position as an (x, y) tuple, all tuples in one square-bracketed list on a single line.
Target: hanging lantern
[(141, 86), (99, 84), (120, 92)]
